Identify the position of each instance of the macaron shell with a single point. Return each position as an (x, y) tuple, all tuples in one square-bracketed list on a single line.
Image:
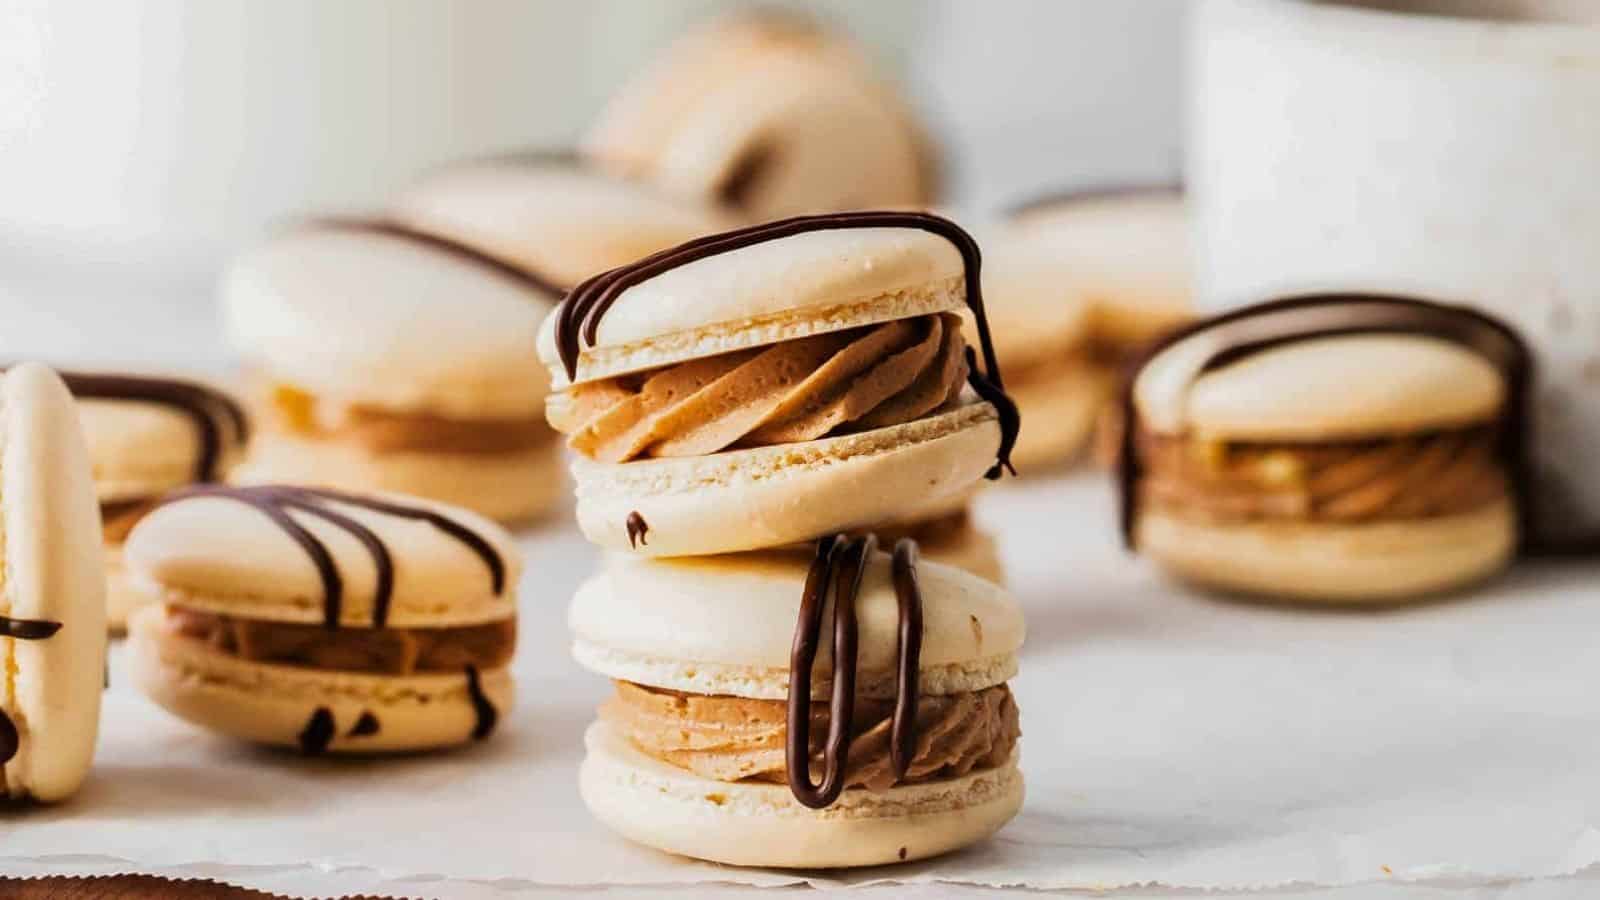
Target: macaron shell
[(1060, 406), (140, 450), (380, 320), (273, 704), (53, 571), (770, 496), (809, 283), (685, 620), (1380, 562), (757, 824), (973, 551), (507, 487), (1035, 312), (224, 555)]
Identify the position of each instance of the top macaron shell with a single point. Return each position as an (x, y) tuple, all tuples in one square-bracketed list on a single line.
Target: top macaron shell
[(557, 219), (1329, 388), (1034, 312), (52, 571), (810, 283), (140, 450), (225, 556), (725, 625), (381, 320)]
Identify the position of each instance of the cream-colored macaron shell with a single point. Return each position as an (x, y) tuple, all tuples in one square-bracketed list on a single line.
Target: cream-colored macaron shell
[(273, 704), (725, 625), (373, 319), (809, 283), (1060, 409), (226, 556), (770, 496), (558, 219), (1035, 312), (140, 450), (1321, 389), (1377, 562), (52, 572), (754, 824)]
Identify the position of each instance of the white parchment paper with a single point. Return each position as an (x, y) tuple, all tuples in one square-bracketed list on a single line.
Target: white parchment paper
[(1170, 739)]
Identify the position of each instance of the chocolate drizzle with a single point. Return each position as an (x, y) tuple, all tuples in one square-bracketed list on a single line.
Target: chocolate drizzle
[(10, 741), (578, 317), (366, 725), (842, 561), (275, 502), (637, 529), (318, 733), (487, 715), (466, 253), (28, 629), (1365, 314), (211, 411), (1091, 194)]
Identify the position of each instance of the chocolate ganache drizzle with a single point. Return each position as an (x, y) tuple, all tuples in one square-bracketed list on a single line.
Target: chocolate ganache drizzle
[(578, 317), (842, 561), (276, 501), (211, 411), (22, 630), (1072, 196), (466, 253), (1311, 317)]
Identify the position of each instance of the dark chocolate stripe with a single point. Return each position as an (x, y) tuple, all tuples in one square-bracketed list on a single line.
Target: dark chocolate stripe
[(842, 562), (1369, 314), (210, 410), (1090, 194), (638, 528), (28, 629), (466, 253), (366, 726), (10, 741), (318, 733), (578, 317), (274, 501), (482, 707)]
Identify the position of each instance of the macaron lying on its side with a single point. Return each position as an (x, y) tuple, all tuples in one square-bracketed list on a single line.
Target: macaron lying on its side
[(774, 384), (386, 359), (331, 622), (52, 600), (689, 754), (1338, 448)]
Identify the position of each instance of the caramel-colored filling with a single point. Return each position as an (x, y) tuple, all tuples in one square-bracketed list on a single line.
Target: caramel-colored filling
[(797, 390), (300, 413), (379, 651), (734, 738), (1438, 474)]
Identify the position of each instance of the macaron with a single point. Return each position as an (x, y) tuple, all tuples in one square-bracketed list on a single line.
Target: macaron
[(768, 114), (324, 620), (727, 693), (551, 215), (777, 383), (148, 435), (1331, 448), (1084, 281), (387, 359), (53, 607)]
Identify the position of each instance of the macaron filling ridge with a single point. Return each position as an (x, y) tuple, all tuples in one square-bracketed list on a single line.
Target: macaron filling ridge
[(840, 382), (295, 411)]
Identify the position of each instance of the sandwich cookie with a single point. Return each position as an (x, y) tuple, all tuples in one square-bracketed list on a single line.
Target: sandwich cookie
[(769, 385), (553, 216), (146, 436), (52, 591), (325, 620), (770, 115), (1338, 448), (387, 359), (842, 707), (1089, 279)]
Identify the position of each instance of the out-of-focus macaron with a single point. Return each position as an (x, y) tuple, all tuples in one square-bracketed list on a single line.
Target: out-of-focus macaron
[(1344, 449), (693, 752), (556, 217), (774, 384), (386, 359), (768, 114), (148, 435), (326, 621), (53, 608)]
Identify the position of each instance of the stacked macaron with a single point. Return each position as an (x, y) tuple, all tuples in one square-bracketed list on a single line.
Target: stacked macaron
[(1335, 448), (730, 400)]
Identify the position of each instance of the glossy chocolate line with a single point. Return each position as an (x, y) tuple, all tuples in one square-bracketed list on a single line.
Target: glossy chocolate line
[(908, 665), (466, 253), (366, 725), (578, 317), (10, 741), (318, 733), (274, 501), (482, 707), (210, 410), (28, 629), (637, 529), (1487, 336), (1071, 196)]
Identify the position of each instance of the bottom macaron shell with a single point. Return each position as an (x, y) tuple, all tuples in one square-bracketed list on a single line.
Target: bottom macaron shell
[(1380, 562), (275, 704), (508, 487), (1059, 415), (759, 824), (770, 496)]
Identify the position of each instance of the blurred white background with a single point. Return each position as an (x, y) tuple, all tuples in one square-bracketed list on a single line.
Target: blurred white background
[(141, 141)]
